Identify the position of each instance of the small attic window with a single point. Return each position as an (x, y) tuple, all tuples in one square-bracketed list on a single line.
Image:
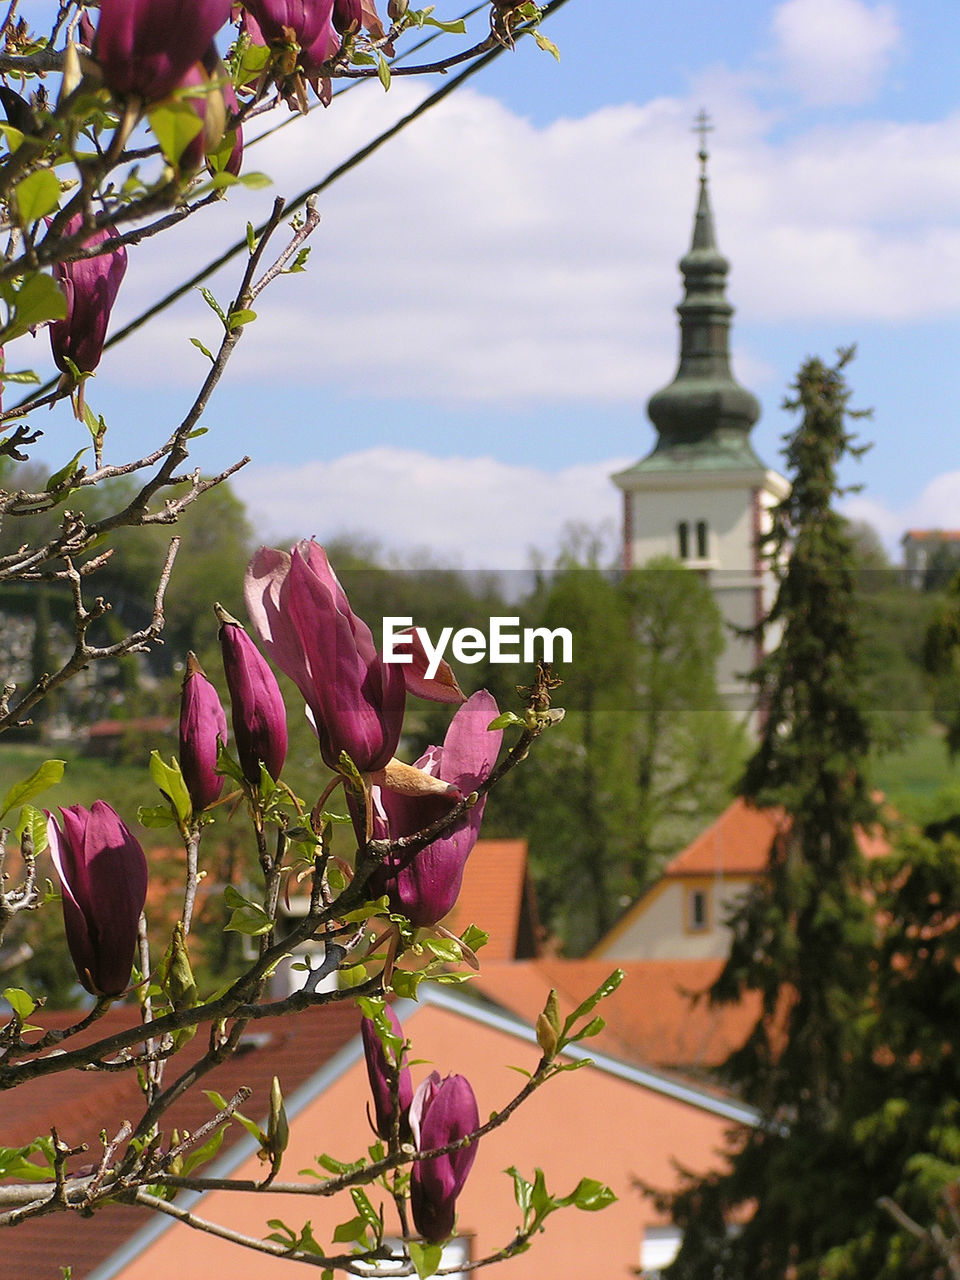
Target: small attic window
[(698, 912)]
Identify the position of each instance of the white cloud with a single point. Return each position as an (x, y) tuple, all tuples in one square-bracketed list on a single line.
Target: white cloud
[(482, 259), (936, 507), (835, 51), (476, 512)]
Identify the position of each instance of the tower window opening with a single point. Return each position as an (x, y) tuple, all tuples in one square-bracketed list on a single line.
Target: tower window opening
[(702, 539), (683, 540)]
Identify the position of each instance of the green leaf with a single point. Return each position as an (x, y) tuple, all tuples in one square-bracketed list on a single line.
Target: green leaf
[(251, 1126), (606, 988), (24, 375), (521, 1191), (375, 1008), (170, 781), (247, 916), (350, 1232), (237, 319), (202, 1154), (383, 72), (541, 1201), (39, 298), (299, 264), (38, 194), (425, 1257), (590, 1195), (456, 27), (62, 478), (20, 1001), (13, 136), (593, 1028), (34, 820), (200, 347), (251, 238), (505, 720), (255, 181), (156, 816), (367, 1212), (47, 775), (474, 937), (175, 125), (14, 1162), (546, 45), (405, 982), (446, 949), (214, 305), (227, 764)]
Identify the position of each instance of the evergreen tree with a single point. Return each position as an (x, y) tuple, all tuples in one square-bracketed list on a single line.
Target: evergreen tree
[(802, 938)]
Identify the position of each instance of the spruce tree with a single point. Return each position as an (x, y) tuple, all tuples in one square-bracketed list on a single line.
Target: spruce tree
[(802, 938)]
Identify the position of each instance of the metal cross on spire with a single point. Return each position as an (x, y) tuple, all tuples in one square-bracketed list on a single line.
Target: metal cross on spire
[(702, 126)]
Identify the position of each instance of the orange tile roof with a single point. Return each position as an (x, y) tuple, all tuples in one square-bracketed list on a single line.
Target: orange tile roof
[(492, 896), (737, 843), (650, 1018), (939, 535), (80, 1104)]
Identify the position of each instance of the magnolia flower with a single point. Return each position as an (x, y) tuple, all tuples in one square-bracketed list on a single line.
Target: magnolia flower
[(256, 704), (202, 725), (355, 701), (104, 875), (381, 1074), (90, 286), (425, 887), (442, 1111), (305, 21), (146, 47)]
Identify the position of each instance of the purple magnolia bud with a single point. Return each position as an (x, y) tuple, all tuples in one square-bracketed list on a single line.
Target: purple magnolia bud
[(90, 286), (202, 724), (381, 1075), (347, 16), (442, 1111), (303, 20), (104, 876), (425, 887), (256, 704), (146, 47), (355, 700)]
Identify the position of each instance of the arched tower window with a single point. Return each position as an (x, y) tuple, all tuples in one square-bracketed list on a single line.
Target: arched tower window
[(683, 540), (702, 540)]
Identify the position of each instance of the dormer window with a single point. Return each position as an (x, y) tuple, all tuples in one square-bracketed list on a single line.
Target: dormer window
[(698, 911)]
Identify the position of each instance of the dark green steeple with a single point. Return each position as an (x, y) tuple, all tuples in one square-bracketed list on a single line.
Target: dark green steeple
[(703, 418)]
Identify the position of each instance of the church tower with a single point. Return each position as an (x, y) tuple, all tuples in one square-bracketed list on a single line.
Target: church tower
[(702, 495)]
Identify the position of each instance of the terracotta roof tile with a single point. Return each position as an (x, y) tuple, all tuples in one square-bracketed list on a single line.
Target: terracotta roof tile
[(650, 1018), (737, 843), (80, 1104), (492, 896)]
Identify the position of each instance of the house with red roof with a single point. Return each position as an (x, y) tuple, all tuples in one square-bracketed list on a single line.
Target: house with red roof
[(682, 917), (639, 1109)]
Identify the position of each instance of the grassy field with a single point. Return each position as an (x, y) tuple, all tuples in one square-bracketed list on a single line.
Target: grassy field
[(920, 781)]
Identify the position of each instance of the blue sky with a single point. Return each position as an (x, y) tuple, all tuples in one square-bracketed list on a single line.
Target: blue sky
[(490, 299)]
